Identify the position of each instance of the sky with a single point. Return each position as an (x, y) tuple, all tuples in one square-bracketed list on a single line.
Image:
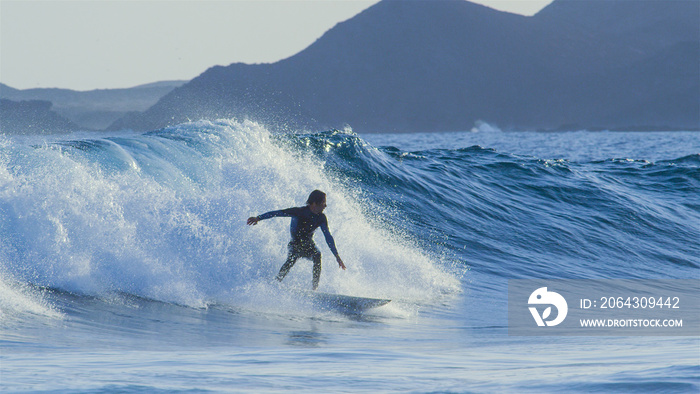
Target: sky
[(105, 44)]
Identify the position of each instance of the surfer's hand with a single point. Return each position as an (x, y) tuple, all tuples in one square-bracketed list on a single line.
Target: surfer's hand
[(253, 221), (340, 262)]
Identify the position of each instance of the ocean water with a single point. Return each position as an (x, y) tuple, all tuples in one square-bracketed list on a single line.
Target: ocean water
[(126, 264)]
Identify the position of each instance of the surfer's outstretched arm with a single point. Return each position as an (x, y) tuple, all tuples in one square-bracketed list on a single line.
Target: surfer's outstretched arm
[(289, 212)]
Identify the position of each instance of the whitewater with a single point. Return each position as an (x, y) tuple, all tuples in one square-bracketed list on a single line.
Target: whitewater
[(126, 264)]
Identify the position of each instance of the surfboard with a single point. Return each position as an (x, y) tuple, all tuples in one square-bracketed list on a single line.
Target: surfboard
[(345, 302)]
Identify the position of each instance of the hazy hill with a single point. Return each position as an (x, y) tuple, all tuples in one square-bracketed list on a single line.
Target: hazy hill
[(31, 117), (404, 65), (94, 109)]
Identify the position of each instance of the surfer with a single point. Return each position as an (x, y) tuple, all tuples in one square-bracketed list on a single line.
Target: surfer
[(305, 220)]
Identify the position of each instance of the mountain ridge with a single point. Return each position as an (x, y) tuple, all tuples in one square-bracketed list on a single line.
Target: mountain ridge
[(444, 65), (412, 65)]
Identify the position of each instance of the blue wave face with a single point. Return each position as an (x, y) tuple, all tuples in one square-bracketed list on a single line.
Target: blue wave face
[(518, 216), (162, 215)]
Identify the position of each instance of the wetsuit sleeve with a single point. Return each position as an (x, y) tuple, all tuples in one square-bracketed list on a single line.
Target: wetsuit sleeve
[(289, 212), (329, 238)]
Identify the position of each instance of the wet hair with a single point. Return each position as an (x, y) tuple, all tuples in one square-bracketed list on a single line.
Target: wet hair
[(316, 197)]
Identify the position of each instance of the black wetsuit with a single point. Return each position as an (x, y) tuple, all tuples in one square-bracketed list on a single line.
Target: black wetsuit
[(304, 223)]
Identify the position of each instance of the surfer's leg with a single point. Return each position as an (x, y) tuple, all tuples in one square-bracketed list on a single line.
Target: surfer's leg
[(317, 269), (291, 259), (307, 249)]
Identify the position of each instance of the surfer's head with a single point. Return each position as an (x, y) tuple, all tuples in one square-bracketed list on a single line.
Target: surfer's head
[(316, 201)]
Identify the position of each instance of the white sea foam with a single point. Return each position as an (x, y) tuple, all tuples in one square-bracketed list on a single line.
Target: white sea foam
[(17, 299), (483, 127)]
